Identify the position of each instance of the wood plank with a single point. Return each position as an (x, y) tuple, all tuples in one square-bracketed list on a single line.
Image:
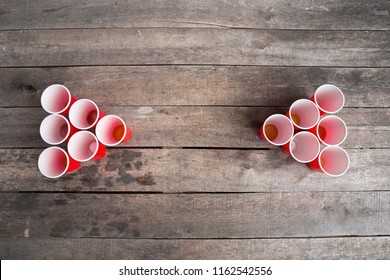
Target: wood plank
[(170, 216), (357, 248), (202, 46), (191, 126), (193, 170), (195, 85), (249, 14)]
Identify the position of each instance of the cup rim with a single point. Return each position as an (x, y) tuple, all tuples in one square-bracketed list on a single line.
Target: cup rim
[(67, 162), (124, 134), (278, 115), (315, 137), (94, 153), (334, 147), (67, 105), (334, 117), (311, 102), (97, 114), (67, 134), (338, 89)]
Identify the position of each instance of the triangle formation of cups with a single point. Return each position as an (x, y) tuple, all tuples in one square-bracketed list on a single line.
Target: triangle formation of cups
[(311, 132), (80, 124)]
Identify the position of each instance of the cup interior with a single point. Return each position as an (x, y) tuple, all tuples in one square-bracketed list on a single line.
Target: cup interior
[(83, 146), (334, 161), (304, 114), (54, 129), (278, 129), (329, 98), (84, 114), (53, 162), (111, 130), (304, 147), (55, 99), (332, 130)]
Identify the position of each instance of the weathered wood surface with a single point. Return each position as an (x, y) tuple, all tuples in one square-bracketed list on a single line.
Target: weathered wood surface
[(358, 248), (297, 214), (195, 85), (202, 46), (192, 126), (282, 14), (195, 170), (195, 80)]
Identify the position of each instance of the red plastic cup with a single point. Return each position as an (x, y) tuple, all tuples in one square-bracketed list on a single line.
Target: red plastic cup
[(57, 99), (331, 130), (54, 162), (84, 114), (329, 99), (332, 160), (56, 129), (84, 146), (304, 114), (111, 130), (304, 147), (277, 130)]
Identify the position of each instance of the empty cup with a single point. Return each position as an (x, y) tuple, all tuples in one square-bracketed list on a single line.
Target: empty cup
[(56, 129), (54, 162), (332, 160), (304, 147), (84, 114), (57, 99), (111, 130), (84, 146), (331, 130), (329, 99), (277, 130)]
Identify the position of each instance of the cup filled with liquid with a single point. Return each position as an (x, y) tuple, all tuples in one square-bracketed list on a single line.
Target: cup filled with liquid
[(111, 130), (277, 130), (304, 114)]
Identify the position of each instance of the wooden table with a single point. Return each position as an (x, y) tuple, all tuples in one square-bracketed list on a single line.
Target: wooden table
[(195, 80)]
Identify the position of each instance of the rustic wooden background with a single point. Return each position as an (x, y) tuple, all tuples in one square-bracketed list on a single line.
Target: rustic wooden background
[(195, 80)]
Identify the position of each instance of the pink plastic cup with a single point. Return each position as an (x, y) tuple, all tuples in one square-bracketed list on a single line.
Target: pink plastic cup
[(84, 114), (84, 146), (329, 99), (56, 129), (332, 160), (111, 130), (304, 114), (304, 147), (331, 130), (277, 130), (54, 162), (57, 99)]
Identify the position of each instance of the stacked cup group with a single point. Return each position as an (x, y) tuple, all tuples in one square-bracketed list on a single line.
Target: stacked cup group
[(81, 124), (311, 133)]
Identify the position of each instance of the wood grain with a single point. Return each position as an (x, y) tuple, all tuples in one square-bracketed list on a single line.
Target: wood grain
[(203, 46), (298, 214), (195, 170), (358, 248), (282, 14), (192, 126), (195, 85)]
